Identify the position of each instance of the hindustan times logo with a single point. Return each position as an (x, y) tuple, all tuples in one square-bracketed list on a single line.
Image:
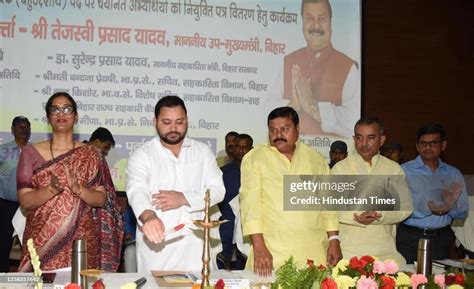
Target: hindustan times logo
[(314, 186)]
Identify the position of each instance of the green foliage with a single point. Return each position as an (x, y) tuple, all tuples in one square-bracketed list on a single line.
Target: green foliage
[(289, 276), (469, 281)]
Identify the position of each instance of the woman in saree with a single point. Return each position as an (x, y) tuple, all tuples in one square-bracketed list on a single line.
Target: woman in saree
[(66, 188)]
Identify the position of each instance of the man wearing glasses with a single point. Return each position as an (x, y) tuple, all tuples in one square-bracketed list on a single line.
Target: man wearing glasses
[(439, 196)]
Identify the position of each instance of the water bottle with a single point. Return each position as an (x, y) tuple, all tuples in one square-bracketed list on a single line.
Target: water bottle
[(424, 257), (79, 262)]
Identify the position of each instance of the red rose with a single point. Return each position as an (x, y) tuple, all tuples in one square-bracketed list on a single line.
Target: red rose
[(220, 284), (328, 283), (367, 259), (387, 282), (355, 264), (449, 279), (309, 262), (98, 284), (321, 267), (459, 279), (72, 286)]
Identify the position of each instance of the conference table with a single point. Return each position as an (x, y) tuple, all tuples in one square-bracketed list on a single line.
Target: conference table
[(116, 280)]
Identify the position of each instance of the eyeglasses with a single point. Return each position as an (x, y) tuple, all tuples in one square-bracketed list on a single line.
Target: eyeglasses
[(55, 110), (433, 143)]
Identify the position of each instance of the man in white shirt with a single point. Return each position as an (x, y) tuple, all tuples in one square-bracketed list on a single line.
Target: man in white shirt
[(166, 181)]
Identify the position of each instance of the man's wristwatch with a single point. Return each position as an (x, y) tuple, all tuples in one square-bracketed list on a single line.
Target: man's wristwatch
[(334, 237)]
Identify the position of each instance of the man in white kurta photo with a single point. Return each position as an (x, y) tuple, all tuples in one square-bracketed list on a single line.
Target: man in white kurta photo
[(166, 182)]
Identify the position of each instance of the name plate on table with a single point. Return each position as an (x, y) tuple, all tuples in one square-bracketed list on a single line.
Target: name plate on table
[(231, 283), (172, 278)]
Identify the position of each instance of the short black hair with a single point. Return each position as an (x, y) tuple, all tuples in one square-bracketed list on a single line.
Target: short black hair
[(19, 119), (431, 128), (49, 103), (247, 137), (102, 134), (284, 111), (338, 145), (232, 133), (169, 101), (316, 1), (369, 120)]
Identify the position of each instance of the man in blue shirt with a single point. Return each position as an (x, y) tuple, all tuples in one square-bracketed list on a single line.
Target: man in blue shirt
[(439, 196), (231, 176), (9, 154)]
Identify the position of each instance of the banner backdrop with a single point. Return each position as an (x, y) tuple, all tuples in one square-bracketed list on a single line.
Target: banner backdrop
[(118, 57)]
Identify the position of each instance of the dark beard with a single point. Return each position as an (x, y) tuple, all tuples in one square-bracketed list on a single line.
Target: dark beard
[(166, 140)]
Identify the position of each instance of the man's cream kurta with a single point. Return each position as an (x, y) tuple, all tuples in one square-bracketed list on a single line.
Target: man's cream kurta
[(301, 234), (378, 238)]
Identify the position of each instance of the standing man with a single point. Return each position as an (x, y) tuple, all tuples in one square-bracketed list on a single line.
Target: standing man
[(393, 151), (228, 155), (371, 232), (231, 175), (167, 180), (102, 139), (439, 196), (337, 152), (9, 154), (277, 234), (320, 82)]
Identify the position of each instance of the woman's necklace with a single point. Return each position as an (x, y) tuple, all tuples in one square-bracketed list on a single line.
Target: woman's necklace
[(51, 147)]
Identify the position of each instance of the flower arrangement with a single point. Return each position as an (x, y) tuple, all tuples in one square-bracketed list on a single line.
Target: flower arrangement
[(35, 262), (364, 273)]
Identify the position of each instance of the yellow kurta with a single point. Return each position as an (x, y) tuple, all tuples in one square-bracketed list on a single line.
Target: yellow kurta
[(378, 238), (301, 234)]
